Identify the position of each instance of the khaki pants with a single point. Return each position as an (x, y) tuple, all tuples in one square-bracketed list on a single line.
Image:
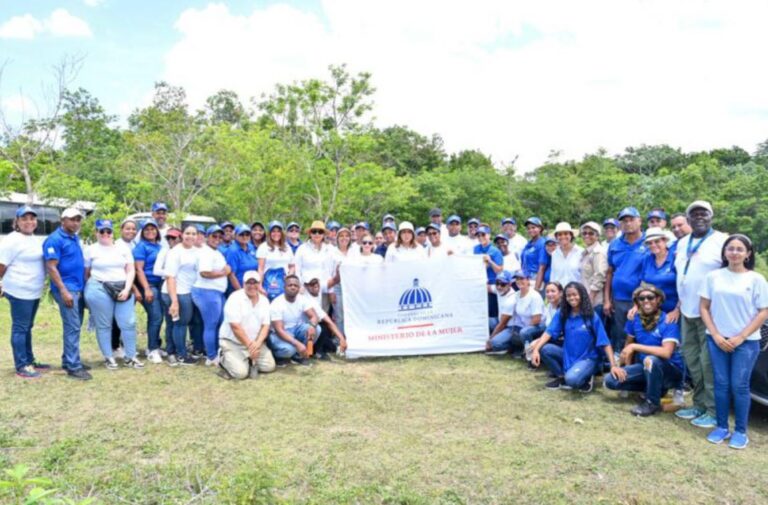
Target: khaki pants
[(236, 361), (696, 354)]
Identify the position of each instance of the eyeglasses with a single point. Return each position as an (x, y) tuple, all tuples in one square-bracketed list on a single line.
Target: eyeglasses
[(251, 282), (316, 232), (367, 242), (105, 232), (646, 298), (293, 230), (587, 233), (502, 284), (433, 234)]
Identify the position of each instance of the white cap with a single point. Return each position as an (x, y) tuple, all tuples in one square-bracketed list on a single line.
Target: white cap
[(563, 227), (71, 212), (699, 204), (655, 232), (405, 225), (251, 275), (592, 226)]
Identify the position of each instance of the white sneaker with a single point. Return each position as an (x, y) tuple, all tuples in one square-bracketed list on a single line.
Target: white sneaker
[(154, 357), (119, 353), (678, 397), (163, 354), (212, 362)]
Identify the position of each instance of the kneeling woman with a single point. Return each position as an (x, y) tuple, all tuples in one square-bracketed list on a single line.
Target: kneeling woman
[(575, 363), (654, 341)]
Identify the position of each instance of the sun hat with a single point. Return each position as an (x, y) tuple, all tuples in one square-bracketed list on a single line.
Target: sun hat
[(563, 227)]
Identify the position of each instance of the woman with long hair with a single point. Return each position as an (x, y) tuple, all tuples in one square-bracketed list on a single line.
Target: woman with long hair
[(258, 234), (181, 272), (405, 247), (275, 261)]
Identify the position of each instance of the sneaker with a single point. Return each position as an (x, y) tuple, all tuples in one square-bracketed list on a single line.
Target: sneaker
[(554, 383), (323, 356), (739, 440), (155, 357), (496, 353), (133, 363), (41, 366), (188, 361), (28, 372), (678, 397), (212, 362), (565, 387), (118, 353), (298, 360), (172, 361), (111, 364), (163, 353), (718, 435), (79, 374), (527, 351), (197, 354), (705, 421), (282, 362), (645, 409), (588, 386), (691, 413)]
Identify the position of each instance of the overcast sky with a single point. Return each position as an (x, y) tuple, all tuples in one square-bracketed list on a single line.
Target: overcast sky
[(507, 77)]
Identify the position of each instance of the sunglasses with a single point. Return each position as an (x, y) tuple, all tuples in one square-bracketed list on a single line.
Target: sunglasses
[(502, 284), (172, 238), (105, 232), (251, 282), (646, 298), (367, 242), (587, 233), (433, 234), (316, 232)]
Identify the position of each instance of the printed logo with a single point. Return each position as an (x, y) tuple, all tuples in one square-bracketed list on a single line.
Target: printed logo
[(415, 298)]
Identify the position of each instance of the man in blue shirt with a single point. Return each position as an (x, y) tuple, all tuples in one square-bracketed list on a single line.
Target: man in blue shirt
[(390, 234), (625, 266), (241, 258), (494, 263), (229, 237), (66, 267)]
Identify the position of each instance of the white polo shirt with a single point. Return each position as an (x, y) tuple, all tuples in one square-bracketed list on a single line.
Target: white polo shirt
[(706, 259), (517, 244), (526, 307), (22, 256), (314, 263), (239, 309)]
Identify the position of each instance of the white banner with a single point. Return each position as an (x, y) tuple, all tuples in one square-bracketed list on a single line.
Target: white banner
[(420, 307)]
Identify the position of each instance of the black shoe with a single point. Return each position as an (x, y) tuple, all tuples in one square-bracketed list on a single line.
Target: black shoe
[(645, 409), (555, 383), (532, 367), (80, 374), (188, 361), (83, 366), (298, 360), (324, 356), (587, 386), (282, 362)]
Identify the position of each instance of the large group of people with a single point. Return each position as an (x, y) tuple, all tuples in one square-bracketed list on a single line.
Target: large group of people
[(652, 310)]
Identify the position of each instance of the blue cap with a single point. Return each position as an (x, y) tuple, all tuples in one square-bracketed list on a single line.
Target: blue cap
[(333, 225), (519, 275), (611, 222), (508, 220), (474, 220), (159, 206), (213, 229), (657, 213), (549, 240), (388, 226), (421, 229), (362, 224), (257, 223), (454, 219), (505, 277), (104, 224), (387, 216), (275, 224), (25, 210), (431, 226), (292, 224), (241, 228), (501, 236), (200, 228), (149, 221), (534, 221), (227, 223), (484, 230), (628, 212)]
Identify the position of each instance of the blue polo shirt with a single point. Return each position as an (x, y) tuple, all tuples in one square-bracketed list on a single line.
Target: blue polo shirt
[(627, 262), (579, 344), (534, 253), (496, 257), (548, 262), (147, 252), (66, 249), (223, 247), (241, 261), (663, 277), (663, 332)]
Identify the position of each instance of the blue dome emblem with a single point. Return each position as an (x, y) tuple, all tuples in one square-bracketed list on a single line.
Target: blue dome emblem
[(415, 298)]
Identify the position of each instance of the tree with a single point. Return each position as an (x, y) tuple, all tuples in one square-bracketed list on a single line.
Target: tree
[(225, 107), (407, 151)]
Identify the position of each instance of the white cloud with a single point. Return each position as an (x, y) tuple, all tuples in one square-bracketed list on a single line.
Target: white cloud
[(93, 3), (60, 23), (17, 104), (508, 77)]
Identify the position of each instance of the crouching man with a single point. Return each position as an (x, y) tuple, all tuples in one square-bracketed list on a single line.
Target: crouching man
[(243, 334), (294, 324)]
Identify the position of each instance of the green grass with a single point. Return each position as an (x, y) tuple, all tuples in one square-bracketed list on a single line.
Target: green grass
[(444, 429)]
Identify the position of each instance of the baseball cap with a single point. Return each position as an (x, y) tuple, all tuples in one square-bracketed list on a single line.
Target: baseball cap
[(213, 229), (432, 226), (501, 236), (251, 275), (333, 225), (474, 220), (387, 216), (628, 212), (534, 221), (104, 224), (275, 224), (505, 277), (420, 230), (454, 219), (149, 221), (292, 224), (173, 233), (227, 223), (257, 223), (656, 213), (653, 233), (508, 220), (699, 204), (159, 206), (242, 228), (519, 274), (549, 240), (484, 230), (200, 228), (388, 226), (25, 210), (611, 222), (70, 213), (362, 224), (435, 212)]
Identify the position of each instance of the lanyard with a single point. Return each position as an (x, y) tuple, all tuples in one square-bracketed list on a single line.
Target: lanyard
[(692, 250)]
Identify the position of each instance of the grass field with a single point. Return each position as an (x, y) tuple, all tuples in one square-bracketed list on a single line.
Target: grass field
[(445, 429)]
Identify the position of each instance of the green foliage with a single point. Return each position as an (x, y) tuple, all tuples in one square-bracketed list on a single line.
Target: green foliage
[(26, 490)]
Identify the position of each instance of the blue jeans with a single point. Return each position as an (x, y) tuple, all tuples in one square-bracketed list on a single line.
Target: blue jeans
[(154, 312), (733, 372), (71, 321), (210, 303), (503, 340), (22, 320), (281, 348), (576, 376), (654, 380), (103, 309), (186, 307), (165, 302), (196, 330)]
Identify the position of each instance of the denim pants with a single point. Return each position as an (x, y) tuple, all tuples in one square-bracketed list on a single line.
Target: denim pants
[(503, 340), (177, 344), (696, 354), (210, 303), (71, 321), (22, 320), (165, 304), (154, 312), (733, 372), (282, 349), (103, 309), (196, 330), (655, 379), (528, 334), (576, 376)]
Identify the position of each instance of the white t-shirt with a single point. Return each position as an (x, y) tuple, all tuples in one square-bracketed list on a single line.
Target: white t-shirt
[(517, 244), (159, 268), (398, 254), (370, 259), (511, 263), (107, 263), (313, 263), (239, 309), (735, 298), (526, 307), (566, 269), (275, 258), (22, 256), (181, 264), (459, 244), (317, 303), (291, 314), (706, 259), (549, 313), (438, 252), (506, 304), (210, 260)]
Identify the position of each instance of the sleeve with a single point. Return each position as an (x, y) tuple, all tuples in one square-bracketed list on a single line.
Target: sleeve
[(51, 249), (261, 252), (537, 304), (708, 286), (172, 262), (629, 326), (8, 251), (760, 292), (205, 260), (597, 282), (671, 333), (140, 252), (264, 314), (542, 254), (610, 255), (232, 312), (88, 256), (497, 257), (602, 337), (276, 311), (233, 258), (159, 268), (127, 255), (554, 328)]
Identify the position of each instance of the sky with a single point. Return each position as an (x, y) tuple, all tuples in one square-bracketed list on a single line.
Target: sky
[(515, 79)]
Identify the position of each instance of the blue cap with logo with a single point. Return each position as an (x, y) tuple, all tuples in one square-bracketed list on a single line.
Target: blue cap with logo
[(275, 224), (293, 224), (504, 277), (628, 212), (241, 228), (21, 211), (534, 221), (611, 222), (453, 219), (520, 275), (388, 226), (104, 224), (508, 220), (226, 224), (484, 230), (474, 221), (657, 213), (149, 221), (333, 225), (501, 236), (214, 228), (159, 206)]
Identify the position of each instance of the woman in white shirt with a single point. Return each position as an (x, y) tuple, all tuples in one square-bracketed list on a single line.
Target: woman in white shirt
[(109, 274), (511, 261), (367, 255), (566, 260), (405, 247), (23, 275), (314, 259), (734, 305), (208, 290), (344, 252), (172, 239), (180, 274), (275, 261)]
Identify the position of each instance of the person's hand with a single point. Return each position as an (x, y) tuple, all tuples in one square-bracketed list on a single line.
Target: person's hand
[(124, 294), (301, 349), (631, 313), (673, 316), (149, 296), (254, 350), (535, 357), (619, 373), (626, 354), (173, 310), (486, 258), (488, 345), (736, 341), (722, 343), (67, 298), (138, 298), (343, 344), (607, 308), (311, 333)]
